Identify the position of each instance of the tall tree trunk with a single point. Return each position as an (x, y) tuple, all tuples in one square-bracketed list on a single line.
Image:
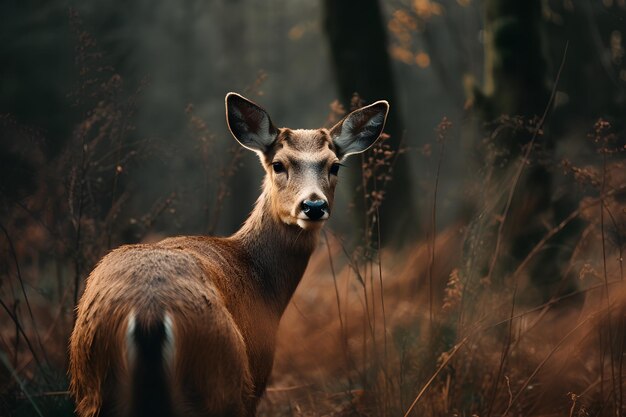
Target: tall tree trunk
[(358, 44), (515, 68), (516, 84)]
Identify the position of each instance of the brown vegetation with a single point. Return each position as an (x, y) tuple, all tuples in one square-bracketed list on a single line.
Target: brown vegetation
[(424, 330)]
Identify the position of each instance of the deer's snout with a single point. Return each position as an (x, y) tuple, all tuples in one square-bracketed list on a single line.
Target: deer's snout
[(315, 209)]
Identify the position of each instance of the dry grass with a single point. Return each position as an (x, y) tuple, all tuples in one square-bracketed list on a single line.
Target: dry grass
[(412, 333), (328, 366), (419, 331)]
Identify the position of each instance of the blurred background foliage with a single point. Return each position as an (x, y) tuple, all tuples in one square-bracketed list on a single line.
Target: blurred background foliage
[(446, 58)]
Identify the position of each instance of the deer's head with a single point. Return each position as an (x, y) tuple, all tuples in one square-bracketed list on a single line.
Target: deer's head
[(301, 165)]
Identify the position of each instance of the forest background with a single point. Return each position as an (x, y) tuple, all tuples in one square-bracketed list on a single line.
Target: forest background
[(474, 263)]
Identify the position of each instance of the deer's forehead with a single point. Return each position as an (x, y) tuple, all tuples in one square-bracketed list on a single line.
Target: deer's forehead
[(304, 142)]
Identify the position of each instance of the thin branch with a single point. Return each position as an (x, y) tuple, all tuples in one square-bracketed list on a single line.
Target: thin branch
[(6, 363), (21, 281), (437, 372)]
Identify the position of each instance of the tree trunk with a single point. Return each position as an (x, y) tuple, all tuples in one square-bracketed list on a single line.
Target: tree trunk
[(516, 84), (515, 68), (358, 44)]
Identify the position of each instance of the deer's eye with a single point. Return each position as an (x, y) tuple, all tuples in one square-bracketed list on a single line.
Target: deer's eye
[(278, 167), (334, 169)]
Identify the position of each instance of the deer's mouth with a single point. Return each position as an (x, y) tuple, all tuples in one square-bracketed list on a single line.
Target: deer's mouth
[(308, 224)]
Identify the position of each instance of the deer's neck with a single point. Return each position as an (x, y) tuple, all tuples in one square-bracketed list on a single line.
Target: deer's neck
[(279, 252)]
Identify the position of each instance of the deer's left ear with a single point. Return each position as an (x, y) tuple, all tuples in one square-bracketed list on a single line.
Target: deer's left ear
[(249, 123), (359, 130)]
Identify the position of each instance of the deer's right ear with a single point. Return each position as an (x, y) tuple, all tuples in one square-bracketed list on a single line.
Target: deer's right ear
[(249, 123)]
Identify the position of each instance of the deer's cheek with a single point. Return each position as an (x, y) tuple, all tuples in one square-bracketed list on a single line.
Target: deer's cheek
[(329, 188), (280, 208), (281, 180)]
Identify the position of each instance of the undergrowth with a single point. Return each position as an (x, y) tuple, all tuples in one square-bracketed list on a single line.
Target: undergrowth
[(428, 332)]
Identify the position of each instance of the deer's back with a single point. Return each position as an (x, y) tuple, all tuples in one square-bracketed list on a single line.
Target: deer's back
[(190, 285), (245, 293)]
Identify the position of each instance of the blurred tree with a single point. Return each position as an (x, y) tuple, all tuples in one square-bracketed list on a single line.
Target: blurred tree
[(358, 44), (35, 77), (515, 68), (515, 95), (594, 84), (592, 87)]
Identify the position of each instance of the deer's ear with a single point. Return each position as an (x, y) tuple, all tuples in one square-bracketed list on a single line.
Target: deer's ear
[(360, 129), (249, 123)]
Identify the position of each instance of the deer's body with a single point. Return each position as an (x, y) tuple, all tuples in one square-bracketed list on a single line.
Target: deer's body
[(186, 326)]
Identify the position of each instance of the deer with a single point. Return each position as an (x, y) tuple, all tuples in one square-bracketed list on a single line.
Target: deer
[(187, 326)]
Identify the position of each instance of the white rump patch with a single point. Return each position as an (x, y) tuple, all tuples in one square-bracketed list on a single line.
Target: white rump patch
[(168, 343), (131, 349)]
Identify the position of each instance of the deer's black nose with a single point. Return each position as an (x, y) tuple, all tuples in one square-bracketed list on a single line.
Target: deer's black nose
[(314, 209)]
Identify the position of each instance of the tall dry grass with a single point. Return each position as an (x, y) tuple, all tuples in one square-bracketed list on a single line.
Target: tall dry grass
[(428, 332)]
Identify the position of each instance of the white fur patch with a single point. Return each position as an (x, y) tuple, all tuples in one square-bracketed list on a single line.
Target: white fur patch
[(351, 142), (310, 224), (372, 123), (131, 350), (168, 343)]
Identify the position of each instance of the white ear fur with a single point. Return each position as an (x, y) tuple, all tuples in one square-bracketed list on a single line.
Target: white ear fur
[(359, 130), (249, 123)]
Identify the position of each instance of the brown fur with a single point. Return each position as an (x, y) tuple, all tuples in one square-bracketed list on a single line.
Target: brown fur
[(225, 297)]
